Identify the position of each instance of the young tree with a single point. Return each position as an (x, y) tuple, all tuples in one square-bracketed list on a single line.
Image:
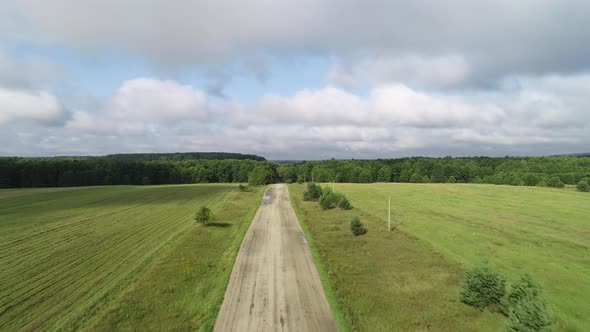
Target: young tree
[(356, 227), (527, 310), (313, 192), (204, 215), (482, 287)]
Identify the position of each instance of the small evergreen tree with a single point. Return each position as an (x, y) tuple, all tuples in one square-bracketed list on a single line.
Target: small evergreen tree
[(344, 203), (313, 192), (482, 287), (527, 310), (451, 179), (356, 227), (328, 200)]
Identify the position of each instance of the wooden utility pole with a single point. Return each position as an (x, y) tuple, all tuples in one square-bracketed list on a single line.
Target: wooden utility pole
[(389, 214)]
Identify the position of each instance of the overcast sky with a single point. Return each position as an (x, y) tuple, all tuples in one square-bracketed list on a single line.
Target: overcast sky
[(307, 79)]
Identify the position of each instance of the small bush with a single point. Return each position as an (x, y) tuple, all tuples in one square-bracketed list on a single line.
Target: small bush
[(483, 287), (555, 182), (300, 180), (451, 179), (243, 188), (527, 310), (344, 203), (204, 215), (313, 192), (328, 200), (583, 186), (356, 227)]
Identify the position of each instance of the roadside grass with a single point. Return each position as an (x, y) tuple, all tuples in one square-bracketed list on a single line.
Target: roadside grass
[(386, 281), (541, 231), (124, 253)]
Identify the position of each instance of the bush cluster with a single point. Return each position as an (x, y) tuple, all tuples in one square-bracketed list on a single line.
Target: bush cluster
[(525, 307), (555, 182), (583, 186), (357, 227), (313, 192)]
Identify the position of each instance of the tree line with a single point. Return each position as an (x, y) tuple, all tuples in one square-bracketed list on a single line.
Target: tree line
[(528, 171), (65, 172)]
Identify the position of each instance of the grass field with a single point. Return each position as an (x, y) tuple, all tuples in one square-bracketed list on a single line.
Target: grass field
[(117, 257), (445, 229)]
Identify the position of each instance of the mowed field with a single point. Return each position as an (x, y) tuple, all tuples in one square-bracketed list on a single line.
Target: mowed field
[(444, 229), (106, 258)]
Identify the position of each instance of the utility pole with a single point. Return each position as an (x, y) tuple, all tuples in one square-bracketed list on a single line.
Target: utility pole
[(389, 214)]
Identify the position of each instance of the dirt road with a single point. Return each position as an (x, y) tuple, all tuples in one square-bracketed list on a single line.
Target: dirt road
[(274, 284)]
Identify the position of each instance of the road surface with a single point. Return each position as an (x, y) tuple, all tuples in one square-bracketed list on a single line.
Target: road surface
[(274, 284)]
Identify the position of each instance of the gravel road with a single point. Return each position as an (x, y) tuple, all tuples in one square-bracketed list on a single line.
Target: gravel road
[(274, 284)]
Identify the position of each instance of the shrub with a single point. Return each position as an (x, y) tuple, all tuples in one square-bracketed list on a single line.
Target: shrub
[(204, 215), (583, 186), (328, 200), (451, 179), (243, 188), (356, 227), (313, 192), (300, 180), (527, 310), (344, 203), (555, 182), (530, 180), (482, 287)]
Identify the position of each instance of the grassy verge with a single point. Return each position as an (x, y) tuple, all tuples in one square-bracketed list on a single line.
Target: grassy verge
[(337, 311), (541, 231), (184, 287), (385, 281)]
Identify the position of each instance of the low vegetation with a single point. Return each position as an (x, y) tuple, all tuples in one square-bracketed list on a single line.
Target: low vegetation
[(112, 258), (357, 227)]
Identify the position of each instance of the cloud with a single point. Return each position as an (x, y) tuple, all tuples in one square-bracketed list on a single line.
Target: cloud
[(439, 71), (142, 104), (528, 115), (496, 38), (33, 106)]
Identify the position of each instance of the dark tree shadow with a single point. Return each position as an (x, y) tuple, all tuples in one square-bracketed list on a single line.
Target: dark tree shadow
[(219, 224)]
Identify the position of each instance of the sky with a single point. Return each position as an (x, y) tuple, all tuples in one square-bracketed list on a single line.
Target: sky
[(307, 79)]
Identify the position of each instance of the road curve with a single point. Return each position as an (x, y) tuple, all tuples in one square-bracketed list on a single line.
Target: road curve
[(274, 284)]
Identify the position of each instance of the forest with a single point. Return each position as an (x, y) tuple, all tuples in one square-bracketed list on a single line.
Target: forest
[(60, 172), (529, 171), (147, 169)]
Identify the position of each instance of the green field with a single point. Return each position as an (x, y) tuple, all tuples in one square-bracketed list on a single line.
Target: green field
[(394, 278), (107, 258)]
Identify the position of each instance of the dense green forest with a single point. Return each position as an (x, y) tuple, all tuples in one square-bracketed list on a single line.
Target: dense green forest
[(175, 156), (60, 172), (172, 168), (530, 171)]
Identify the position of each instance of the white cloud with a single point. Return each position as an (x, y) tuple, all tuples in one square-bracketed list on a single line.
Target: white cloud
[(143, 104), (36, 106), (543, 115)]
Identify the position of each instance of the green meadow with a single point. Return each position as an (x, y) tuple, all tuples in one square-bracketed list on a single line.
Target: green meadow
[(409, 278), (119, 257)]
